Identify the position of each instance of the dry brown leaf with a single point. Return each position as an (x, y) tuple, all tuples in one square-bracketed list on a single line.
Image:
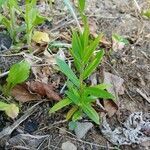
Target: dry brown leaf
[(43, 90), (116, 89), (21, 94)]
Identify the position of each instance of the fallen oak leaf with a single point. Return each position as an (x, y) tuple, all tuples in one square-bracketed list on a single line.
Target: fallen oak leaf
[(21, 93), (43, 89), (116, 89)]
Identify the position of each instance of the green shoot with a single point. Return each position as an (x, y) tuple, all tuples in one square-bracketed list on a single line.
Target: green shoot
[(80, 96), (32, 18), (10, 23)]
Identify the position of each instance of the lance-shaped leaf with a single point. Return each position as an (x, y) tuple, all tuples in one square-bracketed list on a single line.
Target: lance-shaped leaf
[(94, 91), (67, 71), (91, 113), (94, 64), (60, 105)]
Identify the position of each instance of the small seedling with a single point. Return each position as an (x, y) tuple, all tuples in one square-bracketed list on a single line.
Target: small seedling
[(146, 13), (10, 21), (18, 73), (32, 18), (79, 95)]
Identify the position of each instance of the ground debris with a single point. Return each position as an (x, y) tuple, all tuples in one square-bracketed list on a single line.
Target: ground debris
[(25, 140), (134, 131), (115, 89)]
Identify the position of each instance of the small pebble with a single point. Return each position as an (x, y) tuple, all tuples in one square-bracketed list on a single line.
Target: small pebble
[(82, 129), (68, 146)]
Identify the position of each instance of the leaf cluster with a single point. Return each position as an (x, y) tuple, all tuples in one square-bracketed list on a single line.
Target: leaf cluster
[(30, 14), (80, 96)]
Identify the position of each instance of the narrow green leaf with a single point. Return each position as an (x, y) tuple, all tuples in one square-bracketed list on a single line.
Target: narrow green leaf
[(59, 105), (91, 48), (76, 45), (81, 5), (85, 38), (93, 91), (67, 71), (77, 116), (73, 96), (91, 113), (71, 112), (93, 65), (102, 86), (2, 2)]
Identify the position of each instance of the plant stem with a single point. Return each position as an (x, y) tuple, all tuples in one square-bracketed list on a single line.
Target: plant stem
[(12, 16)]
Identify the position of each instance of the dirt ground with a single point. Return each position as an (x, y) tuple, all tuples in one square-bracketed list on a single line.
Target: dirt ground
[(132, 64)]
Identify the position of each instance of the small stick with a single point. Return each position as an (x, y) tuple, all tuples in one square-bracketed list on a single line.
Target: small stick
[(4, 74), (137, 6)]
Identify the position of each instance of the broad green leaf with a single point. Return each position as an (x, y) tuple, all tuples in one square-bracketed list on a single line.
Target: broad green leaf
[(38, 20), (93, 65), (71, 112), (93, 91), (18, 73), (67, 71), (91, 48), (11, 110), (59, 105), (91, 113)]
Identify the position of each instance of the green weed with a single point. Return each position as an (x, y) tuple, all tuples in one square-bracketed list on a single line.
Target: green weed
[(80, 96)]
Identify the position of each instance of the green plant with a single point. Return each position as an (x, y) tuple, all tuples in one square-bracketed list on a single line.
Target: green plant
[(18, 73), (32, 18), (80, 96), (10, 21)]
